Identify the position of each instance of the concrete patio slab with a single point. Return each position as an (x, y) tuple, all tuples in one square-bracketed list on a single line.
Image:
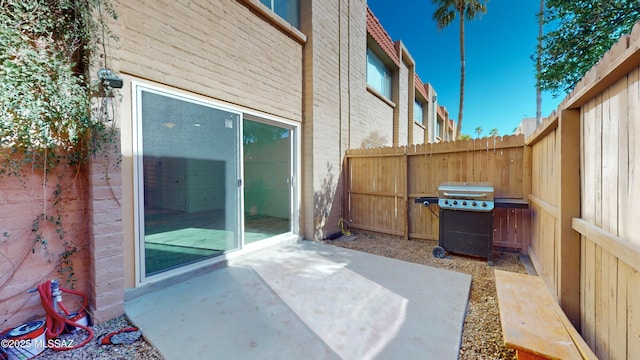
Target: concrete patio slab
[(308, 300)]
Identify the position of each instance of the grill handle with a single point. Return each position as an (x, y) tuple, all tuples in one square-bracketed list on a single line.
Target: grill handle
[(464, 195)]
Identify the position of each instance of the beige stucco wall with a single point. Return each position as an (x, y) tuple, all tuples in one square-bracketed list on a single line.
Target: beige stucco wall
[(378, 124), (335, 79), (220, 49), (402, 97), (419, 133)]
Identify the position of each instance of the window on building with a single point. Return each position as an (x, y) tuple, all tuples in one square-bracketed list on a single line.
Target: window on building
[(439, 128), (417, 111), (378, 75), (286, 9)]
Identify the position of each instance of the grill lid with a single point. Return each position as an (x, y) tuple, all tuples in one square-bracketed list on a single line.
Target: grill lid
[(473, 196)]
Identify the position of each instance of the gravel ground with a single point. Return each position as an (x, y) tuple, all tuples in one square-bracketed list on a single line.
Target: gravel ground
[(139, 349), (481, 337)]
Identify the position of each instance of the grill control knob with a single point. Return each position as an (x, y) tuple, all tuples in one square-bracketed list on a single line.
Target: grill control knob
[(464, 203), (446, 202), (455, 202), (474, 204), (484, 204)]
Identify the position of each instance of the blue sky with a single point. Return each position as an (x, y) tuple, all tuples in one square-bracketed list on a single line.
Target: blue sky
[(500, 75)]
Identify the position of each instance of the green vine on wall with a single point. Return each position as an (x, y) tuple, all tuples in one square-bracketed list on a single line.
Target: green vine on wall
[(52, 113)]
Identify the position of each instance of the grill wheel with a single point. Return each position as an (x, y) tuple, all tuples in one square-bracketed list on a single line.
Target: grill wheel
[(438, 252)]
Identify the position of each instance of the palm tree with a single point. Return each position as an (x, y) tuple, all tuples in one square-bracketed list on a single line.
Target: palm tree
[(539, 64), (478, 131), (494, 132), (444, 16)]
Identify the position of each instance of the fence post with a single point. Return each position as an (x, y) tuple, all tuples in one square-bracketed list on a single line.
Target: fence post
[(405, 173), (527, 164), (345, 187), (569, 207)]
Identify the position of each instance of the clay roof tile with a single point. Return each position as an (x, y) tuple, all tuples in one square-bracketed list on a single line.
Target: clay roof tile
[(380, 36)]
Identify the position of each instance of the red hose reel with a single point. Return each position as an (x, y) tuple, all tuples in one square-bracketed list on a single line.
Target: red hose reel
[(32, 338), (59, 318)]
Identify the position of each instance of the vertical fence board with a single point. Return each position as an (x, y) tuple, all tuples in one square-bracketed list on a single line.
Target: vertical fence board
[(589, 293), (588, 149), (610, 274), (600, 307), (618, 337), (623, 158), (583, 286), (597, 159), (633, 332), (633, 179), (611, 117)]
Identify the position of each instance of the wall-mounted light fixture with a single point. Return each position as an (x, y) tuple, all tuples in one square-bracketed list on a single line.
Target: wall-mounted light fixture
[(109, 79)]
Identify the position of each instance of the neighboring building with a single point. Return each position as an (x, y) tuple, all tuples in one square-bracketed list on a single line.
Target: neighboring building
[(445, 128), (451, 131), (391, 78), (527, 127), (234, 119)]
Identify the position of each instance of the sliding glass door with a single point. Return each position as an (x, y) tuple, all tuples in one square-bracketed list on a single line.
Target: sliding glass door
[(189, 180), (267, 180), (209, 180)]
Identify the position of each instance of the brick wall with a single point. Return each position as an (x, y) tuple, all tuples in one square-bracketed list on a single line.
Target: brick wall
[(25, 264), (106, 270)]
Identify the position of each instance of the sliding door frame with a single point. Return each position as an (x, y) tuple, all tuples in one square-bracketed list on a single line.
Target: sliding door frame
[(138, 180)]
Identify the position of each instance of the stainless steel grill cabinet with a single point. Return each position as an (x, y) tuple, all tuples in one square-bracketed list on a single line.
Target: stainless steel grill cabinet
[(466, 219)]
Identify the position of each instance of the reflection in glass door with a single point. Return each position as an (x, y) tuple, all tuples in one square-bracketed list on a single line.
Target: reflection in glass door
[(267, 180), (188, 161)]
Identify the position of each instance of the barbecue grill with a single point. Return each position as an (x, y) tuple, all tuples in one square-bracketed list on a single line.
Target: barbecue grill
[(466, 219)]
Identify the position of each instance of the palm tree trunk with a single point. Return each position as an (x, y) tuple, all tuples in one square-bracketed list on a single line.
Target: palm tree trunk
[(462, 75), (539, 64)]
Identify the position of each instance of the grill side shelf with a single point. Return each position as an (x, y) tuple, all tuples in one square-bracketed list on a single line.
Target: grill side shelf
[(511, 203)]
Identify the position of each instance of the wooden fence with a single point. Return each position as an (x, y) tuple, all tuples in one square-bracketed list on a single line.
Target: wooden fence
[(382, 185), (585, 238)]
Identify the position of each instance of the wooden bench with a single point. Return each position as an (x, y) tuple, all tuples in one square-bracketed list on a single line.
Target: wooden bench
[(532, 321)]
